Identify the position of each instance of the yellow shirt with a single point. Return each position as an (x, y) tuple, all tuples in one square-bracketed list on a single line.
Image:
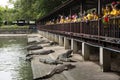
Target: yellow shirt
[(66, 20), (61, 20), (90, 16), (106, 13), (95, 17), (115, 12), (79, 19), (85, 18), (74, 20)]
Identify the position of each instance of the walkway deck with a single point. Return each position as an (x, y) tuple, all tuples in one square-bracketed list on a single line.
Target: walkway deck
[(83, 71)]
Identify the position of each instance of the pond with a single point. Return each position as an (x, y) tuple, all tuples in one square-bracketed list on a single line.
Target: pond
[(12, 59)]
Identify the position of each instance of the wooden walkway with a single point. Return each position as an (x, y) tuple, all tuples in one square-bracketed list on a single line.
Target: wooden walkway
[(83, 71)]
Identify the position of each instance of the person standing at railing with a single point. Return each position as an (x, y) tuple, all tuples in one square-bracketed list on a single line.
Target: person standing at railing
[(74, 18), (95, 15), (57, 21), (84, 17), (62, 20), (92, 16), (115, 9), (107, 11), (67, 20)]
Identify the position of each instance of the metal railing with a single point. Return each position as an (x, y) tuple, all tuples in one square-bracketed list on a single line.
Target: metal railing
[(110, 29)]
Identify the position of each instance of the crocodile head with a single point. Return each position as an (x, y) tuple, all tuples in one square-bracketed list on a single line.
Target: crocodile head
[(69, 52), (69, 66), (51, 51)]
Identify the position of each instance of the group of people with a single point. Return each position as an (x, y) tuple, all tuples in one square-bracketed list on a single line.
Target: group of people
[(109, 10), (112, 9)]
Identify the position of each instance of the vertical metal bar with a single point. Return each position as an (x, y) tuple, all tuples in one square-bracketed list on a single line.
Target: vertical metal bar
[(99, 13), (70, 16), (81, 9)]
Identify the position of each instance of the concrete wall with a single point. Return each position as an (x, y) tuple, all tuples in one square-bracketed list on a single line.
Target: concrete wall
[(69, 43)]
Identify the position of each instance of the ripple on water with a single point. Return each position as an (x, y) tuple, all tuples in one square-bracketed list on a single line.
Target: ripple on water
[(12, 60)]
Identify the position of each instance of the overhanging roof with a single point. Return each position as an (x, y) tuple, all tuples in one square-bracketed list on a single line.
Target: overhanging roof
[(69, 3), (57, 8)]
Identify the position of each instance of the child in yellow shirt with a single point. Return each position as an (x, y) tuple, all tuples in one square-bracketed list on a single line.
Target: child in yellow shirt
[(107, 11), (92, 16), (116, 10)]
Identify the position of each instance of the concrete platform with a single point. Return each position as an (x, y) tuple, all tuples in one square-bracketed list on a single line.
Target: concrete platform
[(85, 70)]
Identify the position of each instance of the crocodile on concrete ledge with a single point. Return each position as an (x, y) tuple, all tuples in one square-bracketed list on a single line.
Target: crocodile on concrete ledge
[(57, 70), (50, 61), (65, 57), (34, 47), (45, 52), (61, 58), (40, 42)]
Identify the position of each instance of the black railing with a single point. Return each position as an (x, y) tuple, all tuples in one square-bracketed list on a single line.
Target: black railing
[(110, 29)]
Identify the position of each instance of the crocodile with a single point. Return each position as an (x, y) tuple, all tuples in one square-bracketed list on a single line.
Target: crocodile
[(65, 57), (35, 47), (58, 69), (28, 46), (29, 58), (61, 58), (39, 42), (45, 52), (42, 42), (50, 61), (32, 42), (66, 54), (53, 43)]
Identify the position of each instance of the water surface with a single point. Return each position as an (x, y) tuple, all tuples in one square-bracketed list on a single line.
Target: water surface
[(12, 60)]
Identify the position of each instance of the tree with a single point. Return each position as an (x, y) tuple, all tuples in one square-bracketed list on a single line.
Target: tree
[(33, 9)]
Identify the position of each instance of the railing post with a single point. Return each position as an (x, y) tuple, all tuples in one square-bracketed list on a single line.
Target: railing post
[(99, 13)]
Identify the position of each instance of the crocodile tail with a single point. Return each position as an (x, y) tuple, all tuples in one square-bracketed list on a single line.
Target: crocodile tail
[(70, 60), (43, 77), (29, 55), (67, 60)]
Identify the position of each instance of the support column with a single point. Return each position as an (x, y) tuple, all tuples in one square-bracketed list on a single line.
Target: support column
[(56, 38), (74, 46), (47, 35), (50, 36), (61, 41), (105, 59), (43, 33), (53, 37), (66, 43), (85, 51)]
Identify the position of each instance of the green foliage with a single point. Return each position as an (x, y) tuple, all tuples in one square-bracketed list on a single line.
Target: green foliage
[(27, 9), (33, 9), (1, 15)]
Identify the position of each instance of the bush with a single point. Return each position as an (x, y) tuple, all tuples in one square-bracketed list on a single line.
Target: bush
[(1, 22)]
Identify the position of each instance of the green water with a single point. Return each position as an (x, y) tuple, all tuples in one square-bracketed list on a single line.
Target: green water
[(12, 60)]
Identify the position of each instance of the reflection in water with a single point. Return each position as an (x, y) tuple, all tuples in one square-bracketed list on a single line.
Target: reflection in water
[(12, 60)]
